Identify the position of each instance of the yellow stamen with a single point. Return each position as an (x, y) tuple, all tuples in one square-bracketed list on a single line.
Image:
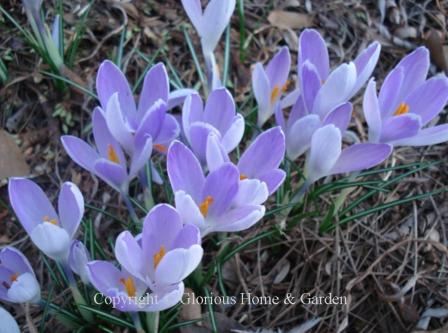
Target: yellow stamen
[(14, 277), (275, 94), (158, 256), (112, 154), (403, 108), (46, 218), (160, 148), (203, 207), (285, 86), (129, 286), (243, 176)]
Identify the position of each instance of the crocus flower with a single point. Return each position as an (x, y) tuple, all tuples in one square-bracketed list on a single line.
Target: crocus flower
[(159, 259), (210, 25), (9, 324), (219, 116), (18, 282), (326, 156), (323, 90), (78, 258), (49, 231), (270, 83), (212, 202), (261, 160), (407, 103), (108, 162)]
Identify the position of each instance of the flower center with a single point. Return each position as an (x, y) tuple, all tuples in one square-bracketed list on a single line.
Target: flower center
[(112, 154), (158, 256), (129, 286), (203, 207), (14, 277), (403, 108), (275, 94), (243, 176), (46, 218), (160, 148)]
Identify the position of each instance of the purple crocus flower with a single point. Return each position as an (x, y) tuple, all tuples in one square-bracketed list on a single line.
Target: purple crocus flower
[(218, 116), (78, 258), (326, 156), (18, 282), (108, 162), (407, 103), (213, 202), (50, 232), (261, 160), (270, 83), (9, 324)]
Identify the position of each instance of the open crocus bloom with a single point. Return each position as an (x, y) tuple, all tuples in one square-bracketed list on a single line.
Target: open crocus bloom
[(9, 324), (78, 258), (270, 83), (323, 90), (108, 162), (219, 116), (18, 283), (326, 156), (406, 104), (212, 203), (49, 231), (261, 160)]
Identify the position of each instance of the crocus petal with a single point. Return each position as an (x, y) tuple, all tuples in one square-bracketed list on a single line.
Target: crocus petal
[(141, 156), (188, 236), (216, 156), (129, 254), (251, 192), (52, 240), (71, 207), (80, 152), (311, 86), (184, 170), (152, 121), (415, 68), (14, 260), (361, 156), (429, 99), (262, 92), (298, 140), (110, 80), (78, 258), (312, 47), (365, 63), (290, 98), (340, 116), (279, 117), (169, 131), (177, 264), (221, 185), (165, 300), (400, 127), (219, 110), (372, 112), (390, 92), (426, 137), (273, 179), (104, 276), (234, 134), (239, 218), (118, 124), (25, 289), (336, 89), (191, 113), (30, 203), (199, 133), (298, 111), (9, 324), (194, 12), (278, 68), (188, 209), (265, 153), (112, 173), (324, 152), (155, 87), (178, 96)]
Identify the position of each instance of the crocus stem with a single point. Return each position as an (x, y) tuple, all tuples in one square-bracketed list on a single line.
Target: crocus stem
[(137, 323), (130, 208), (147, 193), (152, 319), (79, 299)]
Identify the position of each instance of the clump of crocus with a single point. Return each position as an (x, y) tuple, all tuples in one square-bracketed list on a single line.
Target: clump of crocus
[(159, 259), (78, 258), (8, 323), (50, 232), (218, 116), (210, 202), (210, 25), (406, 104), (18, 282)]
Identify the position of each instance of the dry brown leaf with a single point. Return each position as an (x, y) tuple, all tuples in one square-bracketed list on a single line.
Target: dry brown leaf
[(434, 42), (289, 20), (12, 161)]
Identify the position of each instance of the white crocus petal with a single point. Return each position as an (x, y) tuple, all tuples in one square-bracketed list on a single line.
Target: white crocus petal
[(8, 323), (251, 192), (51, 240), (298, 138), (25, 289), (188, 209), (234, 134)]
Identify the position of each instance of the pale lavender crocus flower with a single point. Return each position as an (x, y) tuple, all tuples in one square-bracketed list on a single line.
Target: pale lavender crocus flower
[(159, 259), (260, 161), (9, 324), (18, 283), (108, 162), (50, 232), (78, 258), (218, 116), (270, 83), (406, 104), (213, 203), (210, 25), (326, 156)]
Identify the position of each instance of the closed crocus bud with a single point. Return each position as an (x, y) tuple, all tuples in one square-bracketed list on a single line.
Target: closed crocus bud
[(8, 323), (18, 283), (78, 258)]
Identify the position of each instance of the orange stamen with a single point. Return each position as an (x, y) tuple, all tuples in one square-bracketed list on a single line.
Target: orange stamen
[(129, 286), (403, 108), (14, 277), (46, 218), (112, 154), (160, 148), (243, 176), (203, 207), (158, 256), (275, 94)]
